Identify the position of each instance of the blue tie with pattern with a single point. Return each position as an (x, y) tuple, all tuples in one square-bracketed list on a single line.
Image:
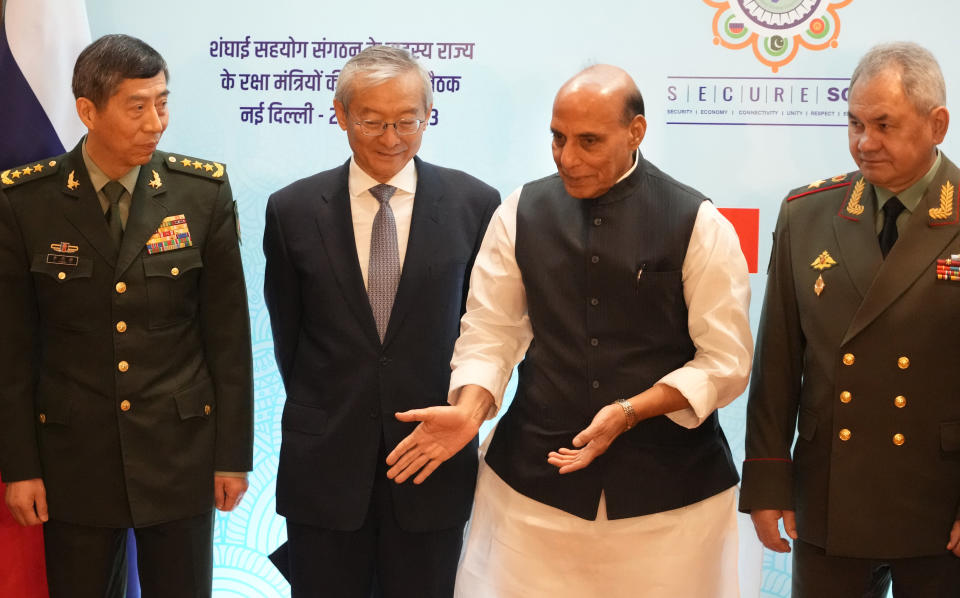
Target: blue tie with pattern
[(383, 274)]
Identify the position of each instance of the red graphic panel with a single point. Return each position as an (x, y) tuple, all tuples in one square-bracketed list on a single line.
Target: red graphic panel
[(747, 223)]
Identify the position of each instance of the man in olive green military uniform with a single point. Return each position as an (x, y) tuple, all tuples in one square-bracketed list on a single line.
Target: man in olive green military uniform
[(126, 363), (856, 347)]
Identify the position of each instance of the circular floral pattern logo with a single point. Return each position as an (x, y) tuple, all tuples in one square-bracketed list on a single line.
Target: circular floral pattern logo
[(776, 29)]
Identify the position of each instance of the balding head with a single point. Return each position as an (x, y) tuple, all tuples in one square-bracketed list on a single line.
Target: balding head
[(597, 125)]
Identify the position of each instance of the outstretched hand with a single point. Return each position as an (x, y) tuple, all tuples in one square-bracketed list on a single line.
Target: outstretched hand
[(595, 439), (442, 432)]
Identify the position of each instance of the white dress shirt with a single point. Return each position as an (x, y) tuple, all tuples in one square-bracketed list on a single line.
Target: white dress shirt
[(364, 206)]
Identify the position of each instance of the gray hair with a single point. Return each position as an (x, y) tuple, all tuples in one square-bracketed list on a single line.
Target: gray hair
[(103, 65), (378, 64), (919, 72)]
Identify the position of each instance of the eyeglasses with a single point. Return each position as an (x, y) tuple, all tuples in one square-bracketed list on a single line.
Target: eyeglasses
[(375, 128)]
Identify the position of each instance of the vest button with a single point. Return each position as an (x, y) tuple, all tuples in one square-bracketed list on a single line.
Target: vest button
[(595, 384), (594, 301), (594, 259), (594, 342), (597, 221)]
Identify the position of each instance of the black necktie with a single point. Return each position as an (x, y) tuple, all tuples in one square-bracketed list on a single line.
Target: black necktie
[(888, 234), (114, 191)]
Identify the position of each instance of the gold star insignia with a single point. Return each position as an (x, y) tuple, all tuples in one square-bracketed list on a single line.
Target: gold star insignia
[(197, 165), (185, 161), (156, 183), (27, 170), (816, 184), (72, 183), (208, 167), (823, 261), (38, 168), (15, 174)]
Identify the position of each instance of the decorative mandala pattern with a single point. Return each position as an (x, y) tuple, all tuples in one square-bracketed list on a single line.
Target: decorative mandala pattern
[(776, 30)]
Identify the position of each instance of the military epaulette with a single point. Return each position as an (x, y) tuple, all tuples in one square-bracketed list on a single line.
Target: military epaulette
[(28, 172), (203, 168), (841, 180)]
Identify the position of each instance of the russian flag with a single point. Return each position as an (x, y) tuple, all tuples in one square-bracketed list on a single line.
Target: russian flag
[(39, 43)]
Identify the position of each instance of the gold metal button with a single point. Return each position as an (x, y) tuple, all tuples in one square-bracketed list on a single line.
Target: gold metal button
[(124, 405), (845, 434), (846, 397), (174, 271), (123, 366), (900, 401), (121, 287), (61, 275), (43, 418), (121, 326), (903, 363), (898, 439), (207, 409), (848, 359)]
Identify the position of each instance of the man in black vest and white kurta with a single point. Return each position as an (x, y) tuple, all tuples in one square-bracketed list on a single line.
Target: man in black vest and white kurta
[(626, 294)]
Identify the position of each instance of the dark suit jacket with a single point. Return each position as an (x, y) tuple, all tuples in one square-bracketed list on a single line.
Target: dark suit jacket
[(127, 377), (871, 475), (344, 386)]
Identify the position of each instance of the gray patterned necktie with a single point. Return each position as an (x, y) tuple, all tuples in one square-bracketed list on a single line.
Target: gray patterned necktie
[(383, 274), (114, 191)]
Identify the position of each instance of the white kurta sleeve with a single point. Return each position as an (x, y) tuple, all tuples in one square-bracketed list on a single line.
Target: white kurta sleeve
[(495, 332), (716, 287)]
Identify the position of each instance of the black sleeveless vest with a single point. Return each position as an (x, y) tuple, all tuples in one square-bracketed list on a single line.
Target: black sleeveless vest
[(605, 300)]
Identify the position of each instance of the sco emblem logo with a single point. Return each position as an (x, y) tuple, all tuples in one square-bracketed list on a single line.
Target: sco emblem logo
[(776, 30)]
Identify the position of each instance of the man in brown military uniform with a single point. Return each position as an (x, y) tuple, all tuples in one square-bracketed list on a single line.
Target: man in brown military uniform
[(857, 336)]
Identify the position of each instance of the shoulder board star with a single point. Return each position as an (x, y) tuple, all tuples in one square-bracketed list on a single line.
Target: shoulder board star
[(820, 185), (202, 168), (27, 172)]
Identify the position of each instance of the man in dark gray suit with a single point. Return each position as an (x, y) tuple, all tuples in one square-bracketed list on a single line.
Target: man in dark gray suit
[(367, 272), (855, 345)]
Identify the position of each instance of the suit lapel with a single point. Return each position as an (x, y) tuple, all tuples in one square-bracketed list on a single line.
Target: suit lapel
[(914, 255), (82, 208), (420, 245), (146, 214), (335, 223), (857, 237)]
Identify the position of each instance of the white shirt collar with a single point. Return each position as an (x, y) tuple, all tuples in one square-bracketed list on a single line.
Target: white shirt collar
[(360, 181)]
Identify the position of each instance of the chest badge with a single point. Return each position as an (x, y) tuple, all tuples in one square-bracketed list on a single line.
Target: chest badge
[(949, 268), (824, 261)]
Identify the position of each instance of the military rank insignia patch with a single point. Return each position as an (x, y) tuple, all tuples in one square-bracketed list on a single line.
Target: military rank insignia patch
[(173, 233), (945, 211), (949, 268)]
